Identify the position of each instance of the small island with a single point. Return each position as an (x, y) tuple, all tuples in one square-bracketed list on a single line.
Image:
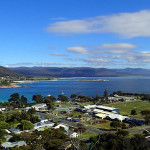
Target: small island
[(93, 80)]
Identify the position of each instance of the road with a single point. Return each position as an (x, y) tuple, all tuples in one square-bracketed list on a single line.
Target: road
[(69, 123), (73, 124)]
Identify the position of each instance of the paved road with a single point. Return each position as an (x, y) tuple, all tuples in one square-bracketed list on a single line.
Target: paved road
[(138, 131), (69, 123), (73, 124)]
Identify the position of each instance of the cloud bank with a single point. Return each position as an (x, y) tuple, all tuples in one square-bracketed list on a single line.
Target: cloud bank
[(129, 25)]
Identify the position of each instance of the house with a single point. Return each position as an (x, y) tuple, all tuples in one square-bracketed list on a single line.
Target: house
[(102, 116), (40, 107), (2, 109), (43, 119), (7, 137), (73, 134), (27, 108), (43, 124), (12, 144), (15, 130), (108, 109), (66, 128), (117, 117)]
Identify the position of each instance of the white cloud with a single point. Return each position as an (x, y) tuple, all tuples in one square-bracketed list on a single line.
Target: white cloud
[(58, 54), (52, 64), (97, 60), (78, 50), (129, 25), (20, 64), (118, 46)]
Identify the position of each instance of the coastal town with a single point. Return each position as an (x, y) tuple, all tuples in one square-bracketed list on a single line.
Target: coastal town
[(79, 118), (75, 75)]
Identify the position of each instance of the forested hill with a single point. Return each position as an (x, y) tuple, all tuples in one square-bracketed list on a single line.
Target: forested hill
[(7, 72), (80, 72)]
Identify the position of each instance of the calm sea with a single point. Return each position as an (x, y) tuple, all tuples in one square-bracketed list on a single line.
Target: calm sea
[(73, 86)]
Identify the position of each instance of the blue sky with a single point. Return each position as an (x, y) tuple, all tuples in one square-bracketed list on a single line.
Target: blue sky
[(75, 33)]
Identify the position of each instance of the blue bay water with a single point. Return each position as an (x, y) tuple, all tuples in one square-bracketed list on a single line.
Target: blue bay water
[(73, 86)]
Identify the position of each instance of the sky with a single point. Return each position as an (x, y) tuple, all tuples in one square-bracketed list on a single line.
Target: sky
[(75, 33)]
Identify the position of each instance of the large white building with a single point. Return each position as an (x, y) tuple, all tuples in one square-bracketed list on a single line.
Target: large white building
[(40, 107)]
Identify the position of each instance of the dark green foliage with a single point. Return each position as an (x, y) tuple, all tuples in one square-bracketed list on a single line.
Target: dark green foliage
[(4, 125), (14, 98), (2, 135), (73, 96), (119, 141), (122, 132), (139, 142), (37, 98), (63, 98), (115, 124), (26, 125), (49, 102), (34, 119), (145, 112), (15, 138), (31, 111), (47, 98), (105, 93), (147, 119), (133, 112), (23, 100), (49, 139)]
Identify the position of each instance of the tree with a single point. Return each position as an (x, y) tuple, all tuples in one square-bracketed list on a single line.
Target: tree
[(73, 96), (115, 124), (37, 98), (23, 100), (31, 111), (147, 119), (139, 142), (63, 98), (4, 125), (145, 112), (105, 93), (26, 125), (47, 98), (50, 104), (122, 132), (14, 98), (133, 112), (2, 135), (34, 119)]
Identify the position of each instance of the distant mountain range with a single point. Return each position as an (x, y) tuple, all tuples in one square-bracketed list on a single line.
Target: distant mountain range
[(7, 72), (80, 72)]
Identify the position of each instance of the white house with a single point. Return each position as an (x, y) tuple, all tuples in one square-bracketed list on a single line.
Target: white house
[(43, 124), (62, 125), (40, 107), (12, 144), (118, 117), (2, 109), (43, 119), (73, 135)]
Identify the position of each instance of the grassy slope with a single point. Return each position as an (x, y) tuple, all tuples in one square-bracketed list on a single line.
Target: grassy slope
[(126, 107)]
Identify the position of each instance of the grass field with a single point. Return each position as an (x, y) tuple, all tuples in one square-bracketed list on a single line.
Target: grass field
[(87, 134), (97, 126), (126, 107)]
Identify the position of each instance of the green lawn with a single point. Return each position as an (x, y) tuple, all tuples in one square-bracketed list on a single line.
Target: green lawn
[(126, 107), (87, 134), (97, 126)]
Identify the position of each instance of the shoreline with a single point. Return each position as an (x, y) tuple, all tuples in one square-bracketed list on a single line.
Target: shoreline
[(12, 85)]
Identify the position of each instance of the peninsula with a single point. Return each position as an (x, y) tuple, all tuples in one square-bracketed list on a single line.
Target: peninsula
[(93, 80)]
